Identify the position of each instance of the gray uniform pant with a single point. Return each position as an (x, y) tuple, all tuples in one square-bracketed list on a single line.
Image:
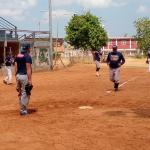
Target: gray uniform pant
[(22, 80), (97, 63), (114, 74), (8, 77)]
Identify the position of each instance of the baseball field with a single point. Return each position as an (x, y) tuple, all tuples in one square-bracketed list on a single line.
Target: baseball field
[(72, 109)]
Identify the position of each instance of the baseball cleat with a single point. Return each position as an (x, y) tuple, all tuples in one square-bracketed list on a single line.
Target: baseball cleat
[(23, 112), (97, 74)]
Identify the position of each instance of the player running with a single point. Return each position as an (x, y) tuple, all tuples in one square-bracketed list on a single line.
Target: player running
[(115, 60), (97, 56)]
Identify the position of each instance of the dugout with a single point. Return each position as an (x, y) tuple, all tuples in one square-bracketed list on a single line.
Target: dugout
[(10, 46), (8, 39)]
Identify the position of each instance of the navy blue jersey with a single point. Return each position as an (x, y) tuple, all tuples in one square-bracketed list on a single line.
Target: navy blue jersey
[(21, 61), (8, 61), (115, 59), (97, 55)]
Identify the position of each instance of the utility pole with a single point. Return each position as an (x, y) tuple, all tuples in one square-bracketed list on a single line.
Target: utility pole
[(5, 45), (39, 25), (57, 37), (50, 52)]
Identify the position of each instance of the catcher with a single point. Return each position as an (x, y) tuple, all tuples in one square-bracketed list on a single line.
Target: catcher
[(23, 72)]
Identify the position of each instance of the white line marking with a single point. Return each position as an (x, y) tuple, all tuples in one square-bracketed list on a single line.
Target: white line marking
[(132, 79), (123, 84), (85, 107)]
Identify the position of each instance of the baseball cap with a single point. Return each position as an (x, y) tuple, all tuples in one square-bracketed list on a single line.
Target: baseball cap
[(114, 47)]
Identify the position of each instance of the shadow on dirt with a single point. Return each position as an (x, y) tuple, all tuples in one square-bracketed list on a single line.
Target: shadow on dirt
[(139, 112), (142, 112), (32, 110), (115, 113)]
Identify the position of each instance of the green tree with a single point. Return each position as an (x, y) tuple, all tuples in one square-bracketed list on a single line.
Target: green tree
[(143, 33), (86, 32)]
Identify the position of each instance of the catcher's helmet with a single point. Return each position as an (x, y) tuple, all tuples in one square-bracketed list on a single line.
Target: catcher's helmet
[(25, 47)]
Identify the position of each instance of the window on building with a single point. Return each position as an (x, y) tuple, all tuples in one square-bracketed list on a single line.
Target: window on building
[(124, 42)]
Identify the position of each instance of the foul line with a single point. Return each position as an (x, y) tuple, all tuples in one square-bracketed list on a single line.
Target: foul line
[(132, 79)]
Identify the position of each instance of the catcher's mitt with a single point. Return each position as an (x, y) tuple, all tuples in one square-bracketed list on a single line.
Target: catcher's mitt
[(28, 88)]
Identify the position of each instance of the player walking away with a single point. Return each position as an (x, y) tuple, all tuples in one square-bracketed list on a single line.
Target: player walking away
[(8, 66), (115, 60), (23, 72), (97, 56), (148, 60)]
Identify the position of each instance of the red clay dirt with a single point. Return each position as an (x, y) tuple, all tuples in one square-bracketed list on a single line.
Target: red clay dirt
[(115, 120)]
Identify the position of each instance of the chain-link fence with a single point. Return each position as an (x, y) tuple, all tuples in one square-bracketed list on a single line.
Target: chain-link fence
[(60, 58)]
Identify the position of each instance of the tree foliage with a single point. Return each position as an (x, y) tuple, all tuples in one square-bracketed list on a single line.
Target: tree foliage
[(143, 33), (86, 32)]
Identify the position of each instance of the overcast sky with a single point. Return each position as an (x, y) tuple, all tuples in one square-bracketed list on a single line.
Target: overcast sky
[(117, 15)]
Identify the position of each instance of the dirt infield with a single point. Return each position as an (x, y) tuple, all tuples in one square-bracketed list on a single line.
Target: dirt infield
[(59, 120)]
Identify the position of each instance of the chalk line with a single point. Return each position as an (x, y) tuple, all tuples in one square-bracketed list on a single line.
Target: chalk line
[(132, 79)]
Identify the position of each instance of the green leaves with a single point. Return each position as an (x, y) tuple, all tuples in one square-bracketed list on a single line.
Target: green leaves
[(143, 33), (86, 32)]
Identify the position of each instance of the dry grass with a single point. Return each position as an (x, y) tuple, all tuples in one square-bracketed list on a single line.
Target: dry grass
[(135, 62)]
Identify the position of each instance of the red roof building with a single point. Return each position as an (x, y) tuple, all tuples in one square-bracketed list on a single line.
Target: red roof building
[(125, 44)]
